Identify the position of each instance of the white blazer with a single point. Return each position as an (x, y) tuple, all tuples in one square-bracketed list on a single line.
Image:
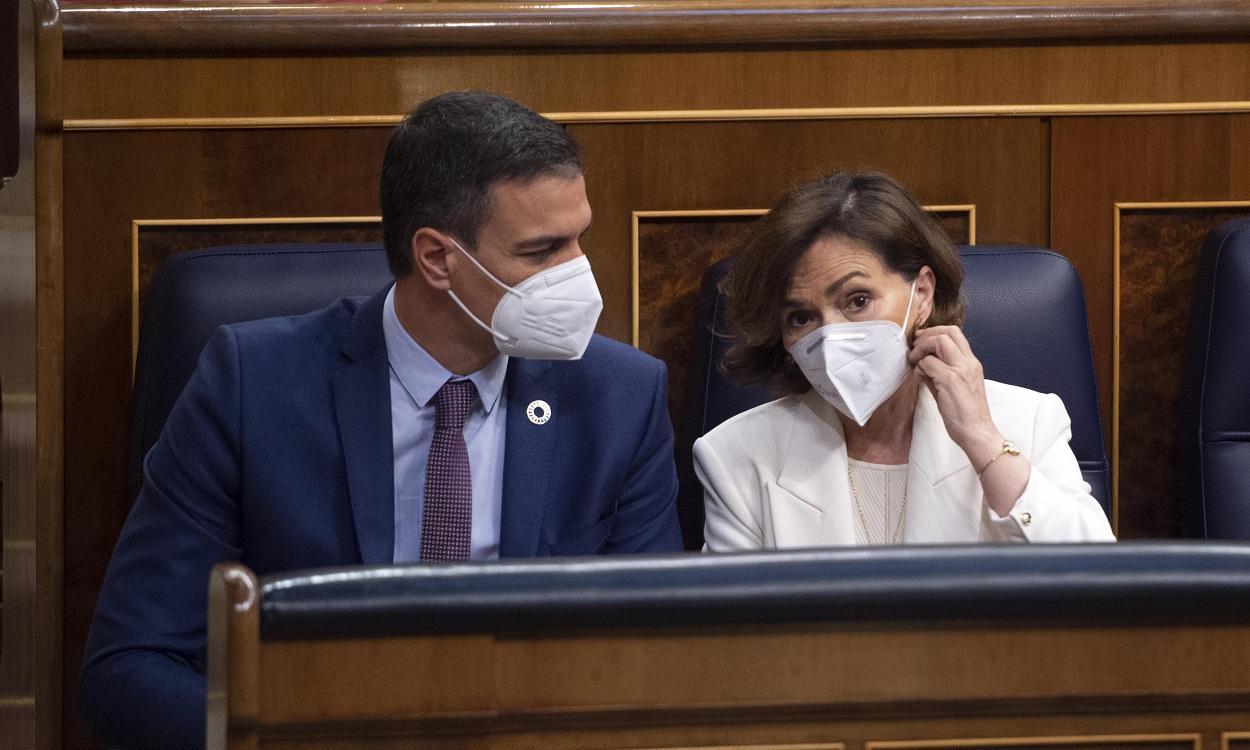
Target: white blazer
[(776, 477)]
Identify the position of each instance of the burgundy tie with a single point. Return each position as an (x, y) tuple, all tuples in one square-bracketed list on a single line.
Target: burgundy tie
[(447, 516)]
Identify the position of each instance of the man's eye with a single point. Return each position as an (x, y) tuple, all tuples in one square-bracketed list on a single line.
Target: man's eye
[(542, 254)]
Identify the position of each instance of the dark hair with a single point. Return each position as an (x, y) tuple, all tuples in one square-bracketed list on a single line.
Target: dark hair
[(869, 207), (443, 159)]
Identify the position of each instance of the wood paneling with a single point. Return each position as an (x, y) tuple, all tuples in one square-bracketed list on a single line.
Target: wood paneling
[(919, 684), (1235, 741), (613, 81), (1158, 253), (199, 27), (119, 177), (998, 165), (1099, 162), (686, 123), (175, 175)]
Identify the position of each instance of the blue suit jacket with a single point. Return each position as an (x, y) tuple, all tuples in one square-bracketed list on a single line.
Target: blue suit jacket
[(278, 453)]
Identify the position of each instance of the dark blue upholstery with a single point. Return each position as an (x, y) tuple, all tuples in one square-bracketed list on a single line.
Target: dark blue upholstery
[(1026, 323), (194, 293), (1214, 406), (1122, 582)]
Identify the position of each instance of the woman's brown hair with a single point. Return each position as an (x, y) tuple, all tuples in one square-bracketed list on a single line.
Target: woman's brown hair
[(869, 207)]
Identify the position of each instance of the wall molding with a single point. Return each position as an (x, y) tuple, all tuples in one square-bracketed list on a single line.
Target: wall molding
[(1105, 109)]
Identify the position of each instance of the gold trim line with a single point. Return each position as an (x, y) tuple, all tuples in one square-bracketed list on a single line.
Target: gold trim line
[(683, 115), (1084, 739)]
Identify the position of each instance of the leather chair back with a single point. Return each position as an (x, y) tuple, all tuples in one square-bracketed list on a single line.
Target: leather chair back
[(1026, 323), (1213, 422), (194, 293)]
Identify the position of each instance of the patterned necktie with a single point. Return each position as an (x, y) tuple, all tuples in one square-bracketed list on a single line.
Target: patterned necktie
[(447, 516)]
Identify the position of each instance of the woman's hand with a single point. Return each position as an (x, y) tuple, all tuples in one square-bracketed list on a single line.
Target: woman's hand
[(954, 376)]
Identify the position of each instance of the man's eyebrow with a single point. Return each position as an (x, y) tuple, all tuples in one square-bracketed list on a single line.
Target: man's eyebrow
[(542, 241), (546, 240)]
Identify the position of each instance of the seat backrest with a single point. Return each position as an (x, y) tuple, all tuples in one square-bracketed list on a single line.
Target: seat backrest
[(1026, 323), (193, 294), (1213, 421)]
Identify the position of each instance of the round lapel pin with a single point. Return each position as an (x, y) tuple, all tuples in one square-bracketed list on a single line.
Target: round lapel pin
[(539, 411)]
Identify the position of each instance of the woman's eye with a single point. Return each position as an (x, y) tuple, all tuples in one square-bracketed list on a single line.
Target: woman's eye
[(857, 302), (798, 319)]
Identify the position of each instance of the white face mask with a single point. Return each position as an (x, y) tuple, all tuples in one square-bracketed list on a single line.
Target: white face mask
[(550, 315), (856, 366)]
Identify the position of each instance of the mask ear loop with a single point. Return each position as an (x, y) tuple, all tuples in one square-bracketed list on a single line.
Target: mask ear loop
[(482, 268), (907, 314), (455, 298)]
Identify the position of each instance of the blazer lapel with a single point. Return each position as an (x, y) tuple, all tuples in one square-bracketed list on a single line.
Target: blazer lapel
[(362, 403), (529, 458), (810, 503), (940, 482)]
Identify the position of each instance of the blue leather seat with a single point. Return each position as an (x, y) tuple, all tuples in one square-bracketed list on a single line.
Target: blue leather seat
[(1213, 422), (194, 293), (1026, 323)]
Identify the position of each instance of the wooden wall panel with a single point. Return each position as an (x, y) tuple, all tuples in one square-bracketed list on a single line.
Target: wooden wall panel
[(121, 177), (1098, 162), (643, 79), (1158, 250), (1235, 740), (996, 123), (997, 164), (114, 179)]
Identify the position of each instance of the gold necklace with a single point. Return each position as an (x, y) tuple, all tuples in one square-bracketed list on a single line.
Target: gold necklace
[(863, 519)]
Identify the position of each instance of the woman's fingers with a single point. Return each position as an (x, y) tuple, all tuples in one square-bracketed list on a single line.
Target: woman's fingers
[(947, 343)]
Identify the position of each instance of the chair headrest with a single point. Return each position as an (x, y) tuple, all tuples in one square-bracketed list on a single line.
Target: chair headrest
[(194, 293), (1213, 421)]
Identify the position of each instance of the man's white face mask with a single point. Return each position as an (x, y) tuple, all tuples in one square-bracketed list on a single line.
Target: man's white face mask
[(856, 366), (550, 315)]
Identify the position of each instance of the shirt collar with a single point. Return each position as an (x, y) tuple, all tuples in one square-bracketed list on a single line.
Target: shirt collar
[(422, 375)]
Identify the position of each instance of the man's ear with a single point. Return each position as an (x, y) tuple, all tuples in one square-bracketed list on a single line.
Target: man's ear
[(926, 287), (431, 251)]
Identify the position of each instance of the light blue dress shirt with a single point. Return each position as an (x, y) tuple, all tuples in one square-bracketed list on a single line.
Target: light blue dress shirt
[(415, 378)]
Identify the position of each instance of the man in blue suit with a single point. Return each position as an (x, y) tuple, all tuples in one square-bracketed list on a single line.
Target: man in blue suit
[(467, 411)]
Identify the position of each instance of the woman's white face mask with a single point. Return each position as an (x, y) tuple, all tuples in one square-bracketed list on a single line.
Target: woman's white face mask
[(550, 315), (856, 366)]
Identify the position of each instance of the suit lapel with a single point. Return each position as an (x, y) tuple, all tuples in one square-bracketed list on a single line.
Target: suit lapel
[(362, 404), (940, 482), (811, 504), (529, 458)]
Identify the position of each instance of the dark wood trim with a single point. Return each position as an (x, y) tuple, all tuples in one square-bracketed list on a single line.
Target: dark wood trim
[(50, 376), (100, 27)]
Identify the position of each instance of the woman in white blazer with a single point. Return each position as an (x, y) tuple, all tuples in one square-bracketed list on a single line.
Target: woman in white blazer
[(846, 299)]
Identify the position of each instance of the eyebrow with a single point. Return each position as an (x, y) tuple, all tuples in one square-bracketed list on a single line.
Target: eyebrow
[(831, 290), (549, 239)]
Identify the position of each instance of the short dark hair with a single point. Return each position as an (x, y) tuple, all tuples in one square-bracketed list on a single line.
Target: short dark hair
[(869, 207), (444, 157)]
